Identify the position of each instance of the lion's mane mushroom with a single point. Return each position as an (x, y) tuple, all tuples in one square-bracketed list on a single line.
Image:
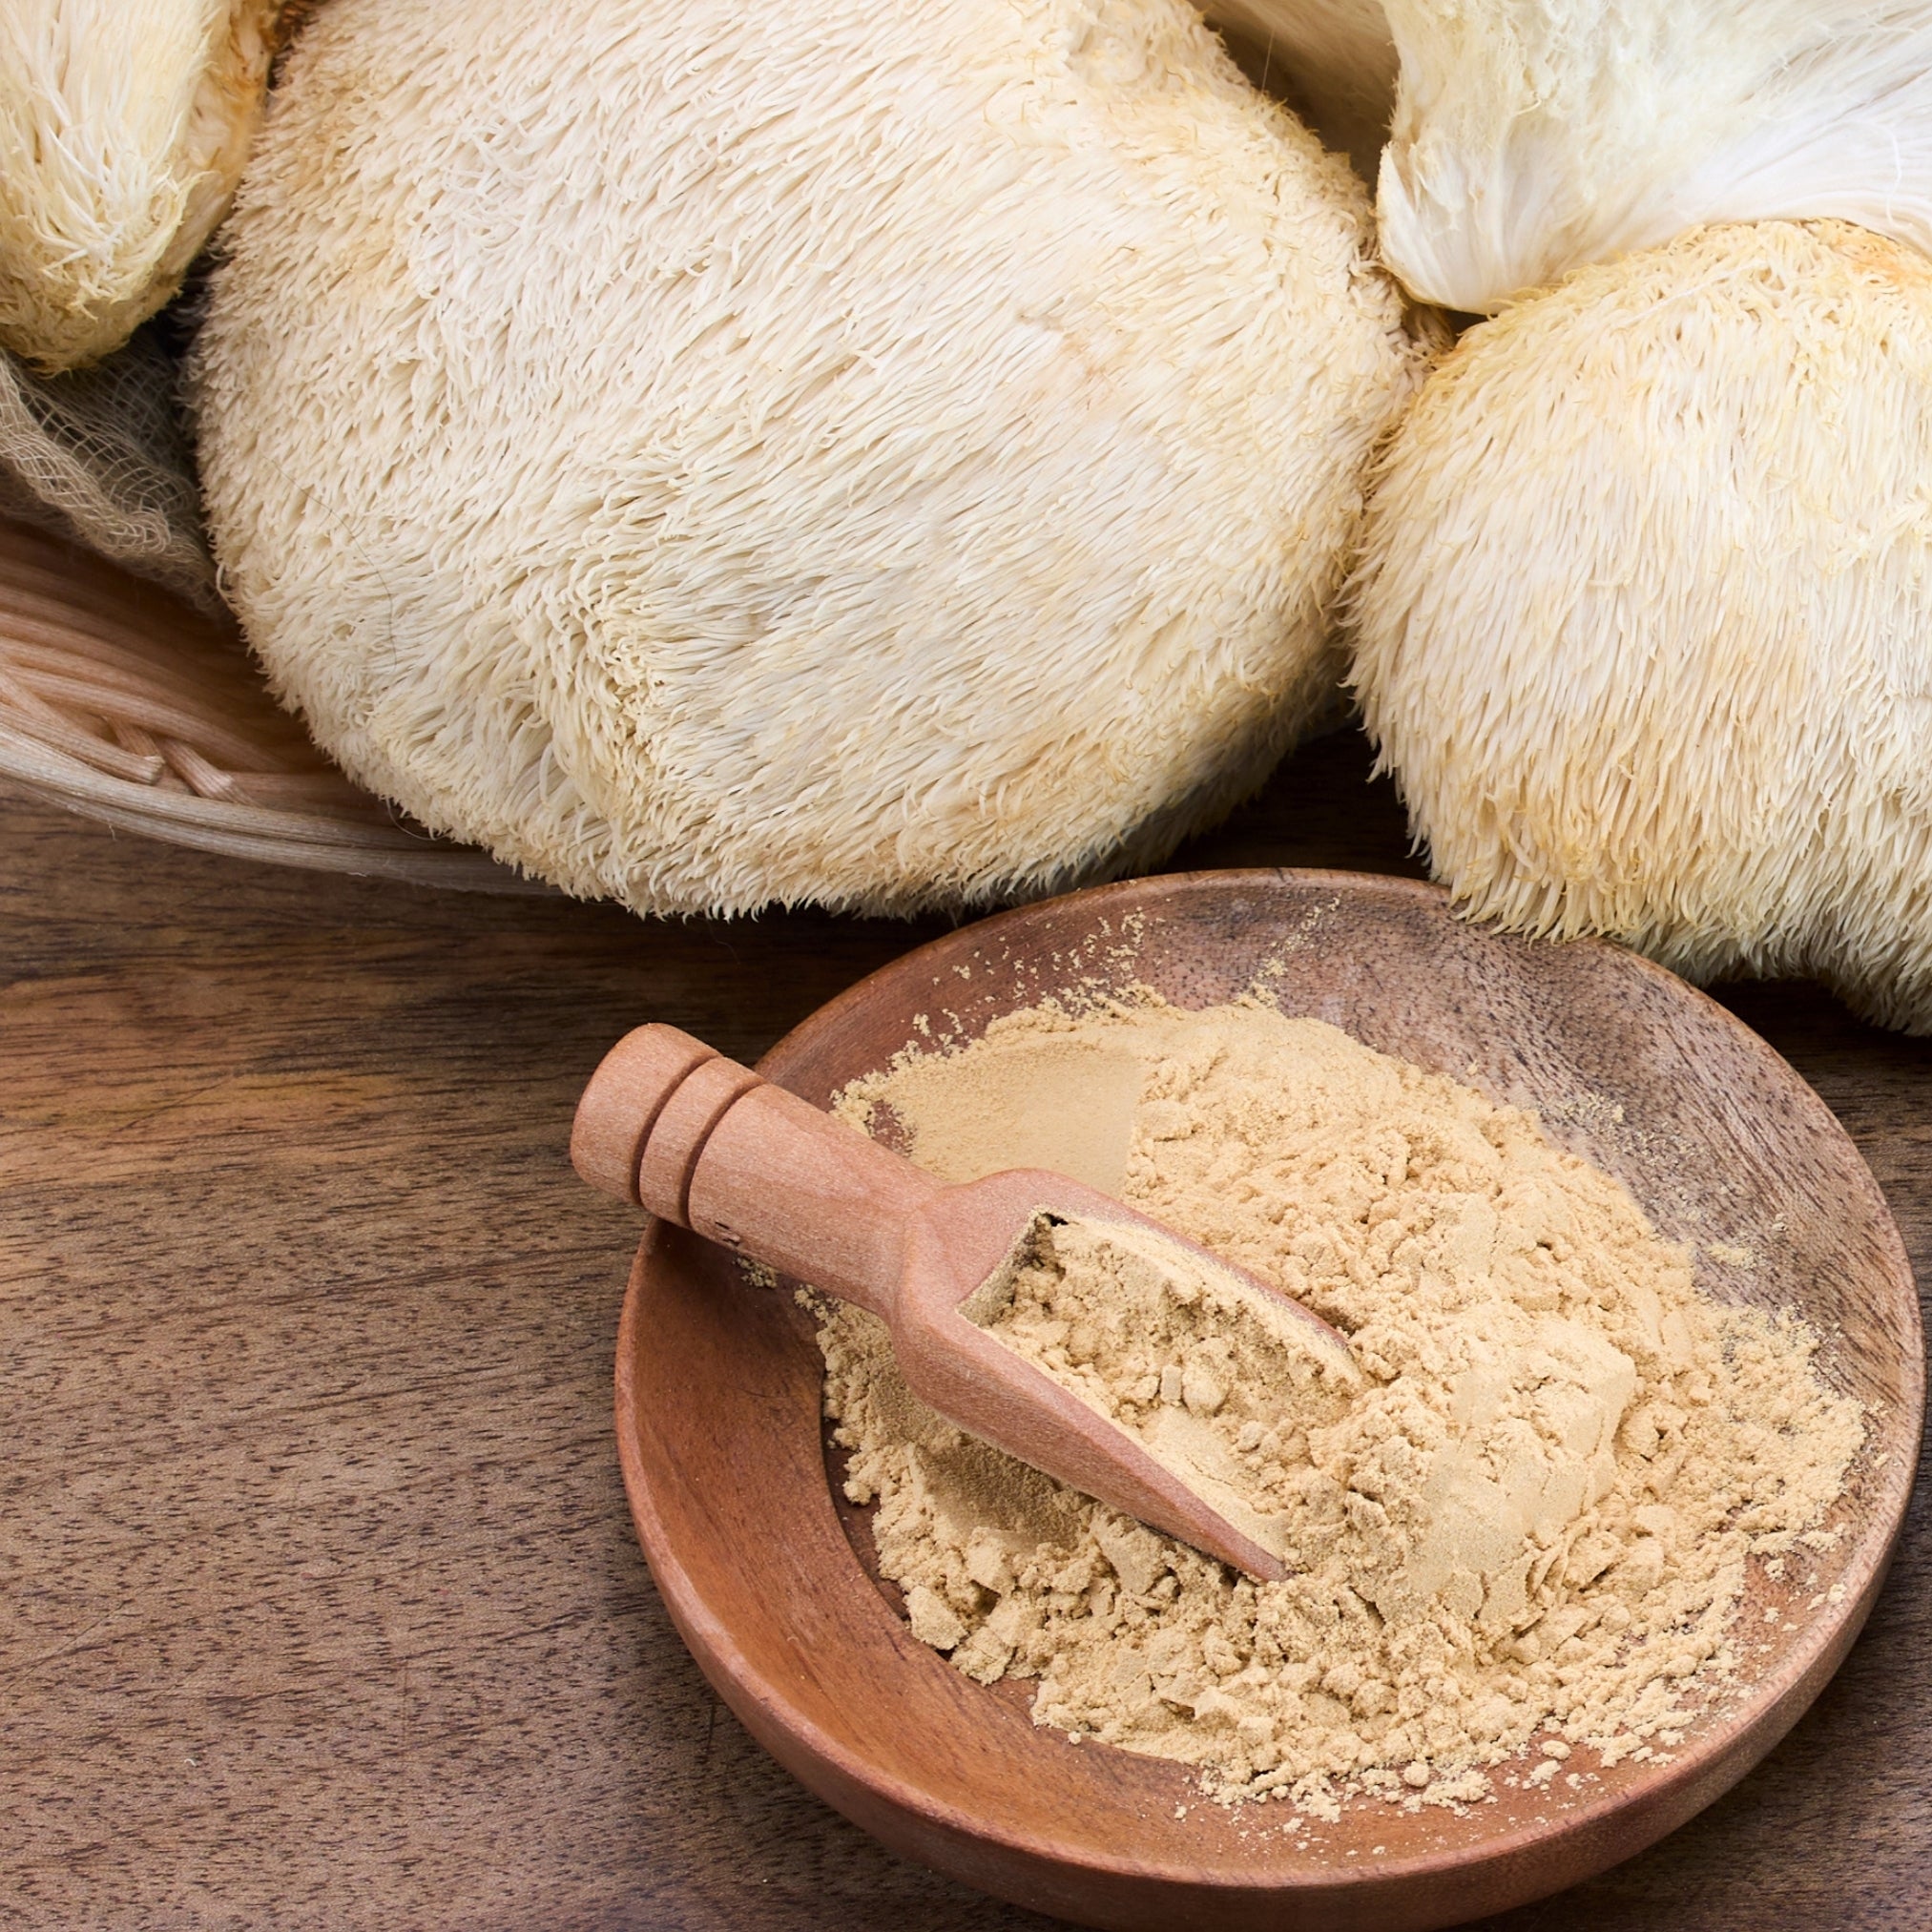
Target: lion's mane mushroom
[(879, 456), (123, 128), (1535, 136), (1644, 628)]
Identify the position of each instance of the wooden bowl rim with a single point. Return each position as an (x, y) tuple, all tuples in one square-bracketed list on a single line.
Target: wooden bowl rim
[(1759, 1716)]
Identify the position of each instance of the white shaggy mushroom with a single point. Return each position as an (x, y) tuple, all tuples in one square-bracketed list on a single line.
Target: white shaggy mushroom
[(1534, 136), (123, 128), (1645, 624), (885, 456)]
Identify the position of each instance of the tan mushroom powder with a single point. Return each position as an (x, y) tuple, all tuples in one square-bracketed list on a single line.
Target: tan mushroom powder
[(1531, 1521)]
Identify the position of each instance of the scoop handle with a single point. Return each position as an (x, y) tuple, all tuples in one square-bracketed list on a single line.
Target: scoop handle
[(672, 1125)]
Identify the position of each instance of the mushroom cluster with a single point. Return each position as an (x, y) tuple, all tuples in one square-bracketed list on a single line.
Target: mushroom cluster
[(905, 457)]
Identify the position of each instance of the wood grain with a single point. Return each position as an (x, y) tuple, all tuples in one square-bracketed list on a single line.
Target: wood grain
[(324, 1607)]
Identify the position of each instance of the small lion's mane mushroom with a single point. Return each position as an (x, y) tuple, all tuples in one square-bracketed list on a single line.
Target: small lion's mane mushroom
[(1644, 628), (124, 125), (887, 457), (1534, 136)]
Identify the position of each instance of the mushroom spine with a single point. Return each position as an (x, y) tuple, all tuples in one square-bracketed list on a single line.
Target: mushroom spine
[(1535, 136)]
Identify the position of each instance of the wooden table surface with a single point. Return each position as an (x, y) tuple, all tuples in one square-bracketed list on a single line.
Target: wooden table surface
[(322, 1604)]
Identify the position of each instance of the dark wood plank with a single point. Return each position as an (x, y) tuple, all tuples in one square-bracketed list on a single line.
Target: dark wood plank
[(322, 1603)]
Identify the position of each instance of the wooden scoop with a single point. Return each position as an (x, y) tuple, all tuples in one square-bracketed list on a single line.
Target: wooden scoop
[(674, 1127)]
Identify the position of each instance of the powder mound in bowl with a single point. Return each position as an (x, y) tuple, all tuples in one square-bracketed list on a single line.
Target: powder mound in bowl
[(1216, 1378), (1532, 1517)]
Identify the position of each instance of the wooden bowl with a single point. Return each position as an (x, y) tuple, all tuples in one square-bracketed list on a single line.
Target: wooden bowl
[(724, 1460)]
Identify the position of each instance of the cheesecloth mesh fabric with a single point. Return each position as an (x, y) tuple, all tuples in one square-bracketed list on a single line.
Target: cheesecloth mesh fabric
[(99, 456)]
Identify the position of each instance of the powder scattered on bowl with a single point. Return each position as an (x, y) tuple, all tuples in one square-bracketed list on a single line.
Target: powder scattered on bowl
[(1534, 1515)]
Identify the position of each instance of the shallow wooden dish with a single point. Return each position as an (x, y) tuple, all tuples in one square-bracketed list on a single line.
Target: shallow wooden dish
[(719, 1431)]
